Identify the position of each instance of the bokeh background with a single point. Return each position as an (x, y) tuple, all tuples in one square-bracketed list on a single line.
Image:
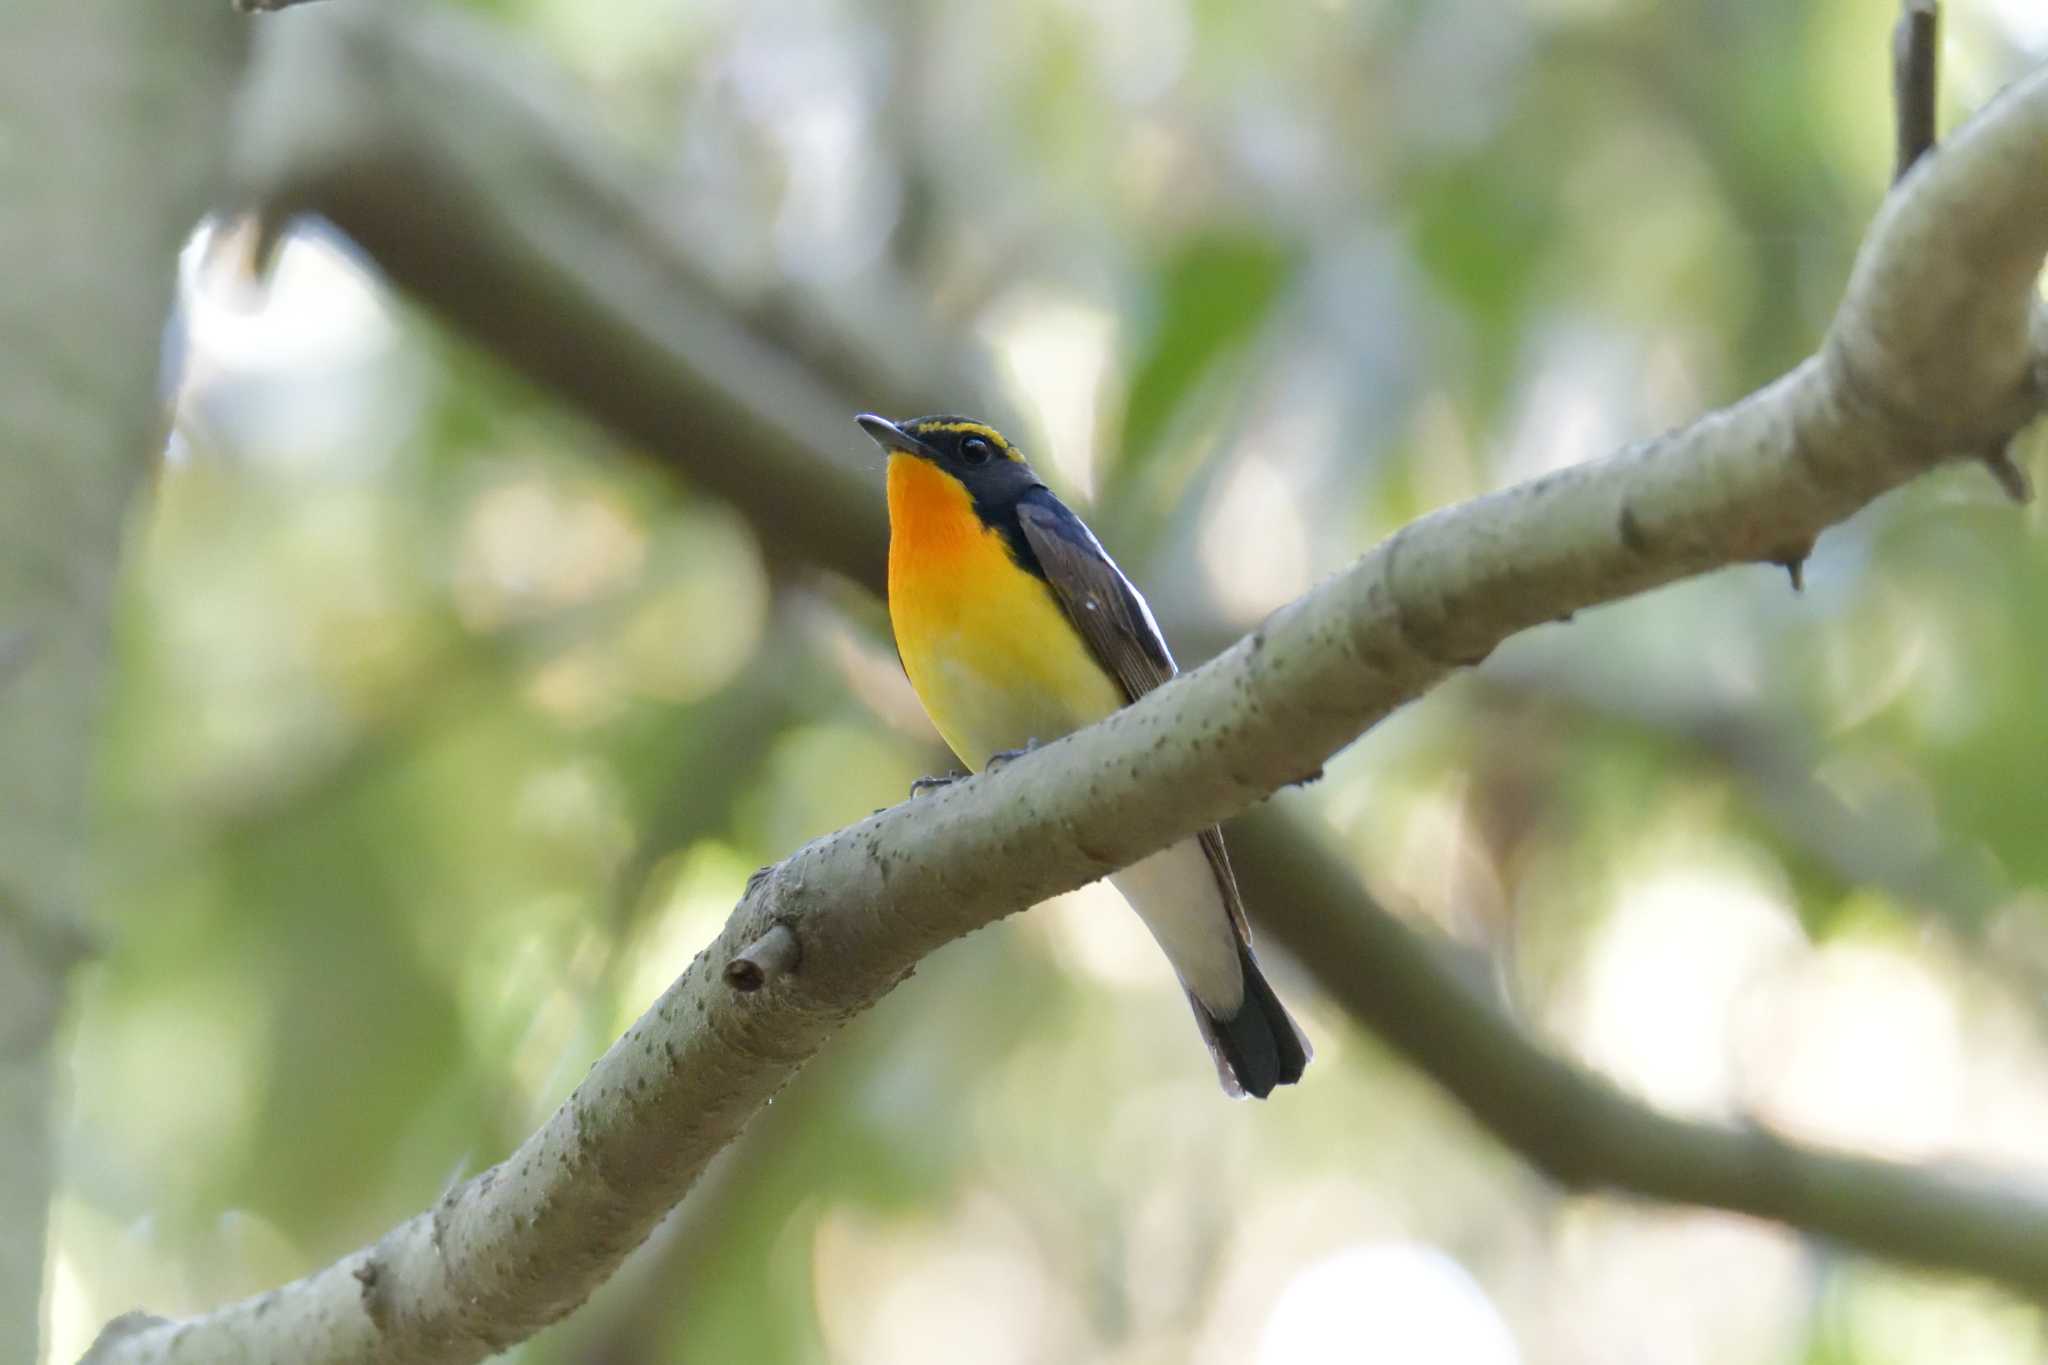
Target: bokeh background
[(446, 729)]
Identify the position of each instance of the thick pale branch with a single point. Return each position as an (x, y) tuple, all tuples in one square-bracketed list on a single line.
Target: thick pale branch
[(1943, 283)]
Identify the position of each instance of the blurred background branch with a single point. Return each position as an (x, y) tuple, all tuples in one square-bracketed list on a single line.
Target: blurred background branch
[(86, 227), (1586, 1134), (526, 231), (1916, 80)]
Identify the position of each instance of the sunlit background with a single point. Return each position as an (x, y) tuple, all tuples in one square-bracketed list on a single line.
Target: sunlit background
[(445, 731)]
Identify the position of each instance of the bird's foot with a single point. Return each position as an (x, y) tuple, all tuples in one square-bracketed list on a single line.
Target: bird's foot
[(932, 784), (996, 761)]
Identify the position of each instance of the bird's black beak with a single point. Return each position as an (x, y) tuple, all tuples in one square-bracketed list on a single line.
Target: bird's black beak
[(889, 436)]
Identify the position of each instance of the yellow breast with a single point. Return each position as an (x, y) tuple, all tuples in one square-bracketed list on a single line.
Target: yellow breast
[(986, 645)]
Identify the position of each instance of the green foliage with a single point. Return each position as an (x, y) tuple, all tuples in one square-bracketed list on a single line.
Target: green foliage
[(1211, 295)]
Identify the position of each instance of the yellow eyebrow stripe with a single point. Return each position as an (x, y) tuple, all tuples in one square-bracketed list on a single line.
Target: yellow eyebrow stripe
[(986, 432)]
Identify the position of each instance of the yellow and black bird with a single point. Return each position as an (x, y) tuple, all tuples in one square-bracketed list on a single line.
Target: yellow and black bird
[(1015, 627)]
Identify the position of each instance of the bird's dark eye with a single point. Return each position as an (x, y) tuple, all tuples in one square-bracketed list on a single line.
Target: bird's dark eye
[(974, 450)]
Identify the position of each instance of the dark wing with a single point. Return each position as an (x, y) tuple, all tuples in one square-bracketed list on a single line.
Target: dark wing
[(1111, 616), (1098, 599)]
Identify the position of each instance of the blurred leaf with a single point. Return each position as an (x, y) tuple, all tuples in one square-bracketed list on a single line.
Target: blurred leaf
[(1480, 229), (1213, 293)]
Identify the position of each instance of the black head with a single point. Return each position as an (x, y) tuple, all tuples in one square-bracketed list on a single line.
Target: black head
[(975, 453)]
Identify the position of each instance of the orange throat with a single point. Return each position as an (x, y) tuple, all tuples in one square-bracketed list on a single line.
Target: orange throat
[(931, 518), (939, 554)]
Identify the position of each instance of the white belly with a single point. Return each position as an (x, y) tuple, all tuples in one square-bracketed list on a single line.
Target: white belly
[(1174, 891)]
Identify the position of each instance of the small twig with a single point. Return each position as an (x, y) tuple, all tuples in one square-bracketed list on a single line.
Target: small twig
[(1916, 41), (266, 6), (1916, 70), (1792, 559), (766, 958), (2011, 478)]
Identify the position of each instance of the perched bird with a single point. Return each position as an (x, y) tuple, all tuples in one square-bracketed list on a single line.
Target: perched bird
[(1015, 627)]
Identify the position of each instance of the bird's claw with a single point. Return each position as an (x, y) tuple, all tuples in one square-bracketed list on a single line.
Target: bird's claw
[(996, 761), (932, 784)]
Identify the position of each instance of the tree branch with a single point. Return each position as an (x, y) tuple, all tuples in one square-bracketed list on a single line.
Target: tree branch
[(114, 114), (525, 230), (1916, 74), (1929, 354), (1916, 69), (1585, 1133)]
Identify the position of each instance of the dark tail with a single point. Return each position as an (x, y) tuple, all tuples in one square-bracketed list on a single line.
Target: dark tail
[(1258, 1047)]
